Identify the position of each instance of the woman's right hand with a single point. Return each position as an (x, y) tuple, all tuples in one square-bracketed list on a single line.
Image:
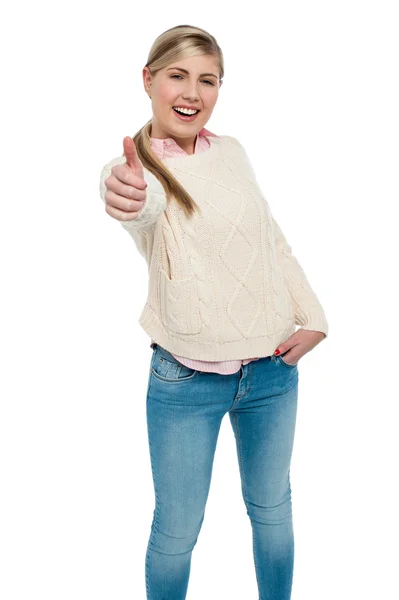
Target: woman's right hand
[(126, 193)]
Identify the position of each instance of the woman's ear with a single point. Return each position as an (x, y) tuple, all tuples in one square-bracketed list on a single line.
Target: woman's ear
[(147, 80)]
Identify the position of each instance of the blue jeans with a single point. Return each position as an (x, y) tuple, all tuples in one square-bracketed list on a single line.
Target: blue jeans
[(185, 408)]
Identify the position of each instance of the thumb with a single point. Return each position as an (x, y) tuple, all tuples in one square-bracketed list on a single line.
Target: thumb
[(132, 160)]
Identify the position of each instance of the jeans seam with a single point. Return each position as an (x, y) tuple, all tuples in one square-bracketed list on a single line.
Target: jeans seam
[(155, 520), (245, 492)]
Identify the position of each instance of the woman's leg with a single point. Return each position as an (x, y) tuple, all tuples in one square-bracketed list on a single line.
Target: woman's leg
[(183, 419), (263, 418)]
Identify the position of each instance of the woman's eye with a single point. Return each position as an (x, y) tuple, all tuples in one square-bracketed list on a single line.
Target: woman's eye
[(206, 80)]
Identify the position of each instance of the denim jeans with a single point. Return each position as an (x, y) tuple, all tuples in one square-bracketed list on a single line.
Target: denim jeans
[(185, 408)]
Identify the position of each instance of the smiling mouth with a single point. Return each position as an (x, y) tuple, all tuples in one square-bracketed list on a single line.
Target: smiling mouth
[(180, 112)]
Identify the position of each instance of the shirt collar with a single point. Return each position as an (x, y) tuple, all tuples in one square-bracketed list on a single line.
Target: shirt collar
[(158, 145)]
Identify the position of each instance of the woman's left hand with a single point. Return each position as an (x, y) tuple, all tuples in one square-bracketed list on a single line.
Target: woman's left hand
[(300, 342)]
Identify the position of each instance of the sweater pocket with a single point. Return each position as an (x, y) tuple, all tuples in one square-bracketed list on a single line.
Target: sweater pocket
[(179, 303)]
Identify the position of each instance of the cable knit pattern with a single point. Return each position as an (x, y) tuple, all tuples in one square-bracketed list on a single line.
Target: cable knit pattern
[(166, 148), (308, 311), (222, 284)]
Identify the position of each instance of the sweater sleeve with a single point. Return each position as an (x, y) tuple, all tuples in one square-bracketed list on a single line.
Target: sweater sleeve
[(308, 311), (154, 205)]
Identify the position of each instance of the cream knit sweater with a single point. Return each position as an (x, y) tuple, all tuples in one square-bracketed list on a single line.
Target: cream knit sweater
[(223, 284)]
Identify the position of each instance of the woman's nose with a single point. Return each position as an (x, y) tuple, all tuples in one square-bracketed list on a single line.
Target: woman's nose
[(191, 93)]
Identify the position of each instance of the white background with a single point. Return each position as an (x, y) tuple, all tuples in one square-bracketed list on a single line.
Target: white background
[(311, 90)]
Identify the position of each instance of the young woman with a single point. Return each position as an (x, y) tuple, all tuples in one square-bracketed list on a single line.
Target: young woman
[(224, 295)]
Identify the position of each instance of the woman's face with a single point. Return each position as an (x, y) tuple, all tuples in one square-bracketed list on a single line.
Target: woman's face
[(192, 82)]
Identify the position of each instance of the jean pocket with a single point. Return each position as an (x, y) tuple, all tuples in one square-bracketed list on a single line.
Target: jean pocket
[(171, 371), (290, 365)]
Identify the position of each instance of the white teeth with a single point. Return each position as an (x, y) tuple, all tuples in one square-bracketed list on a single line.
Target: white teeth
[(185, 111)]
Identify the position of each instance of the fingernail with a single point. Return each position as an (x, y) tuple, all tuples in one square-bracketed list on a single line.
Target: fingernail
[(277, 351)]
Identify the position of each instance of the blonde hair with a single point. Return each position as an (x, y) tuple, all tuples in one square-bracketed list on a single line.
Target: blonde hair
[(172, 45)]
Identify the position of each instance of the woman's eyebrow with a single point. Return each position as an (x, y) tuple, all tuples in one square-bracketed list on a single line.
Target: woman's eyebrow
[(187, 73)]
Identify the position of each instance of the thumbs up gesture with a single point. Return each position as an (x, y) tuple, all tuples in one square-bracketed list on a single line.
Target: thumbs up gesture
[(126, 193), (132, 160)]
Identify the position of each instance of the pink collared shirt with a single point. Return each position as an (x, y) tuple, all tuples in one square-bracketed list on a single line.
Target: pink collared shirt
[(164, 148)]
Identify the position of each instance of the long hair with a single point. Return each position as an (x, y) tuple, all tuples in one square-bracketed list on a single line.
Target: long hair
[(172, 45)]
